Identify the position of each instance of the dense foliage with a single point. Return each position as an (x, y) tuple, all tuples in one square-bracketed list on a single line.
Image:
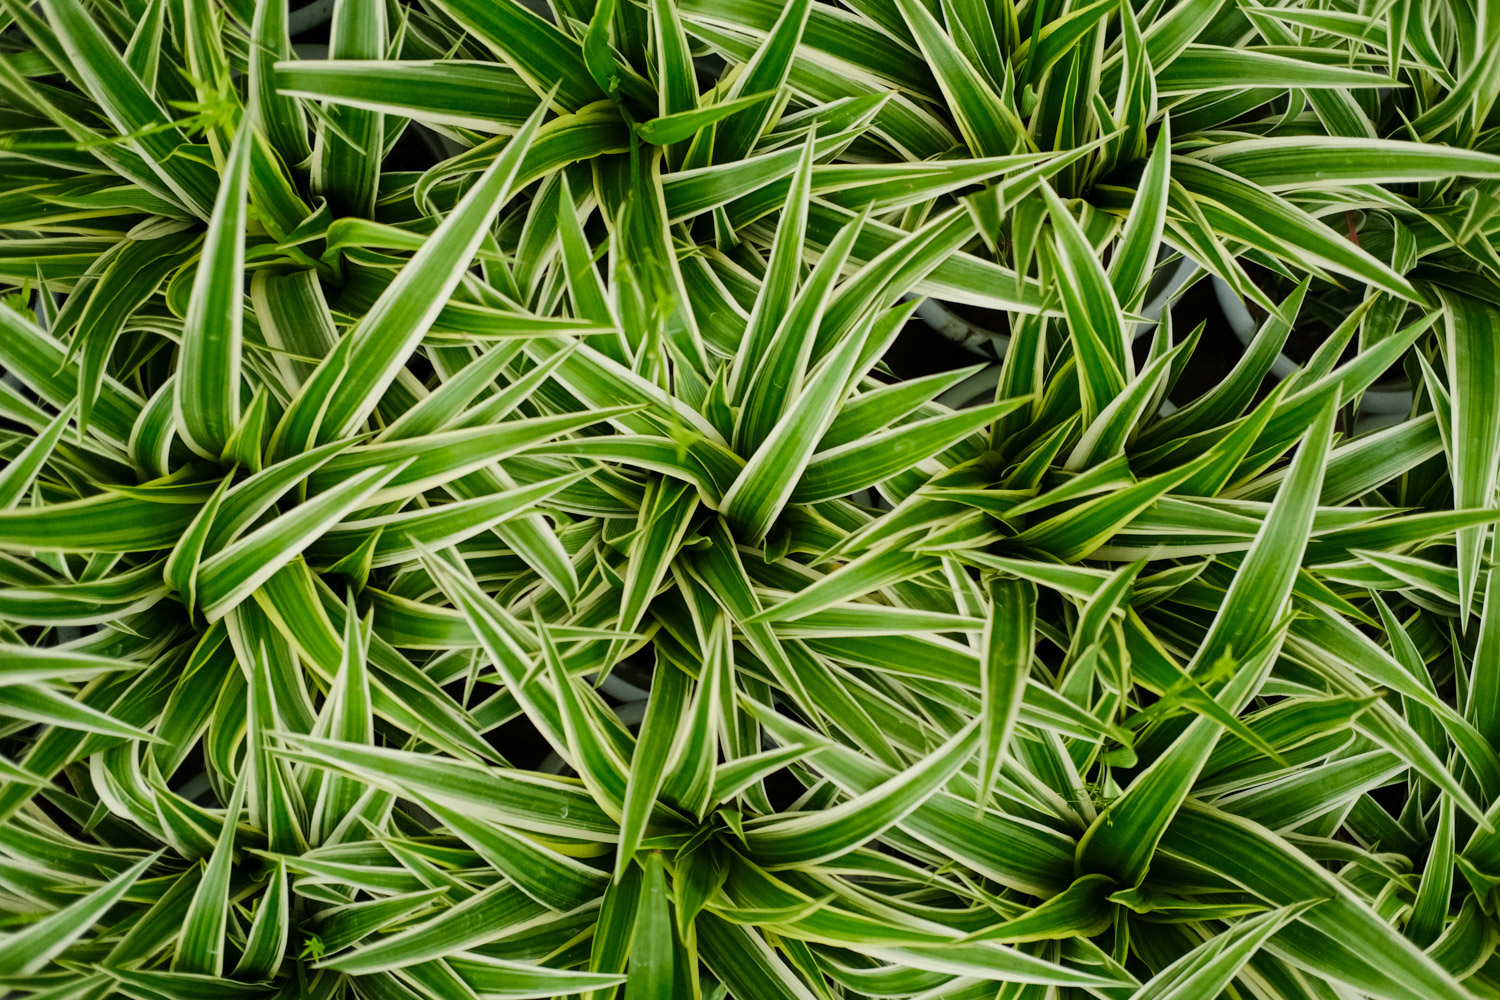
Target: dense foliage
[(459, 537)]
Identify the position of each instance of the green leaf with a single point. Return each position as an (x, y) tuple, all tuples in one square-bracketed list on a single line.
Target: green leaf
[(41, 362), (651, 966), (1079, 910), (1135, 256), (769, 478), (1258, 595), (988, 126), (1095, 321), (208, 388), (130, 107), (849, 468), (1242, 211), (743, 961), (201, 949), (1474, 381), (682, 125), (483, 96), (1304, 163), (16, 478), (525, 980), (766, 72), (533, 802), (1340, 938), (1122, 840), (541, 53), (648, 763), (474, 921), (1430, 910), (1200, 68), (1009, 641), (27, 952), (36, 703), (231, 575), (1210, 967), (267, 941), (803, 840), (344, 390), (552, 879)]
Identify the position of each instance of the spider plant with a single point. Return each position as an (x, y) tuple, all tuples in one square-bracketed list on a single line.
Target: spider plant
[(461, 535)]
